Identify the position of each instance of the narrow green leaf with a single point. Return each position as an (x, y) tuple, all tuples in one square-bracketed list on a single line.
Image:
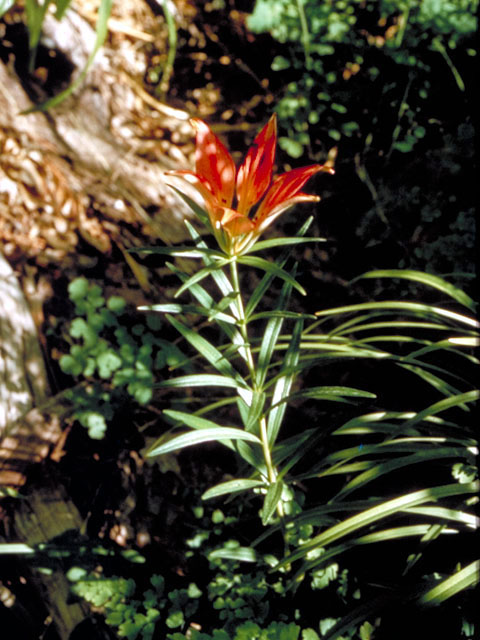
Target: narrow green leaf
[(272, 498), (286, 315), (441, 345), (197, 209), (281, 242), (273, 269), (208, 351), (284, 384), (271, 335), (267, 279), (380, 469), (380, 512), (35, 15), (386, 535), (221, 280), (242, 554), (227, 290), (424, 278), (180, 252), (372, 422), (61, 8), (191, 420), (211, 314), (329, 393), (252, 455), (349, 327), (254, 410), (417, 308), (15, 548), (232, 486), (443, 513), (200, 275), (442, 405), (206, 300), (467, 577), (191, 438), (198, 380)]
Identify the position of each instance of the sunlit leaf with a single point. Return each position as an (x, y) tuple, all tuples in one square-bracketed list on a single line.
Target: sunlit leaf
[(191, 438), (272, 498), (418, 308), (267, 279), (232, 486), (243, 554), (180, 252), (271, 335), (379, 512), (198, 380), (281, 242), (208, 351), (284, 384), (467, 577), (272, 269)]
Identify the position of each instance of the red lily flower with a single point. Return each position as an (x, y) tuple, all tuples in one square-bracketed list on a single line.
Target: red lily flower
[(218, 182)]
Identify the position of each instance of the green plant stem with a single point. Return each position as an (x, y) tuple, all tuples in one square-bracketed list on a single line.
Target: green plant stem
[(305, 34), (438, 46), (242, 324), (172, 49)]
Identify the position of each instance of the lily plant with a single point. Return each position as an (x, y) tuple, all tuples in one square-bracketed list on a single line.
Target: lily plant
[(258, 359), (238, 207)]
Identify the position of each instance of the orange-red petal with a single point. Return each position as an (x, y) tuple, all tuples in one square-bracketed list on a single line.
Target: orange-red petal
[(255, 173), (284, 189), (262, 223), (213, 163)]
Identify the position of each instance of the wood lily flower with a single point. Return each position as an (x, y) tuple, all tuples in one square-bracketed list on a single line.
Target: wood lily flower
[(241, 205)]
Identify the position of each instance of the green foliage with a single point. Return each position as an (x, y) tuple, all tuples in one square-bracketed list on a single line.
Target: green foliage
[(252, 631), (36, 11), (336, 48), (111, 355), (137, 618)]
